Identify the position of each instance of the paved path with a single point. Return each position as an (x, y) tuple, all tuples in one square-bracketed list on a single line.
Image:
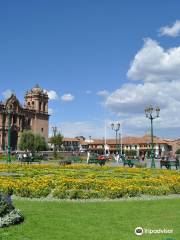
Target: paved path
[(140, 198), (157, 163)]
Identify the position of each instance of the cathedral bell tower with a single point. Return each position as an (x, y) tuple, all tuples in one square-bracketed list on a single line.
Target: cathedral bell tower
[(36, 101)]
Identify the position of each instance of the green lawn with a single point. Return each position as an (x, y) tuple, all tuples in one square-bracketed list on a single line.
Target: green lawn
[(115, 220)]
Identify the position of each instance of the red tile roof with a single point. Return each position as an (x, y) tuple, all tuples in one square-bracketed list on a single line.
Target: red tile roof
[(66, 139), (132, 140)]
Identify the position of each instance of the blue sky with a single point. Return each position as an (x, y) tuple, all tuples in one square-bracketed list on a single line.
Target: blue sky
[(97, 59)]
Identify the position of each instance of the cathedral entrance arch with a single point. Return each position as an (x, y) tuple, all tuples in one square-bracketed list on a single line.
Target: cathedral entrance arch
[(14, 138)]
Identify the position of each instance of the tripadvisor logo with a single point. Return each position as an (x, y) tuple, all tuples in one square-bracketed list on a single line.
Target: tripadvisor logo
[(139, 231)]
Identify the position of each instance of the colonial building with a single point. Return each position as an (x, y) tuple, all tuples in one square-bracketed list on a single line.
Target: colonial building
[(140, 145), (175, 145), (77, 144), (71, 144), (32, 116)]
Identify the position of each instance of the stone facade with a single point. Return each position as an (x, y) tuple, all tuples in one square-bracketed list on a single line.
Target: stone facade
[(32, 116)]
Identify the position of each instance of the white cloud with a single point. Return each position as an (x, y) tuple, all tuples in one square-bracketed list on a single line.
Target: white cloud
[(159, 71), (73, 129), (103, 93), (95, 129), (67, 97), (130, 100), (52, 95), (169, 119), (135, 122), (7, 93), (50, 111), (154, 63), (172, 31), (70, 129), (133, 98)]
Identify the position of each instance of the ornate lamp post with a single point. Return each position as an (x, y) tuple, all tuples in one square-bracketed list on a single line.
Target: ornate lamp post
[(120, 142), (152, 113), (116, 127)]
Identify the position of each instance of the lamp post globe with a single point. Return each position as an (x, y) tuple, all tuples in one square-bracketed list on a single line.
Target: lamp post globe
[(116, 128)]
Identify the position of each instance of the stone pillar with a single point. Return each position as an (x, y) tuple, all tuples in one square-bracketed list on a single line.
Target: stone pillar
[(46, 108)]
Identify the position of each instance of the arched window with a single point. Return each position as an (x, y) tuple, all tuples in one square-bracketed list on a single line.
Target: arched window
[(40, 106), (44, 107)]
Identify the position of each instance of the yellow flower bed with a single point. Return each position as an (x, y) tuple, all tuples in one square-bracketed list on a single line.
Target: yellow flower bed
[(84, 181)]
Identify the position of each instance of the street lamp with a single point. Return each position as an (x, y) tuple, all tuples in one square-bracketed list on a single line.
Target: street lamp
[(116, 127), (152, 113), (120, 142), (54, 129)]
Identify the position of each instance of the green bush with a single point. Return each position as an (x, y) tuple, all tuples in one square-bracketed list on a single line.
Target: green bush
[(175, 188), (76, 194), (133, 191), (178, 151), (116, 193), (13, 217), (8, 214), (4, 209), (4, 157), (60, 193), (36, 193), (157, 191)]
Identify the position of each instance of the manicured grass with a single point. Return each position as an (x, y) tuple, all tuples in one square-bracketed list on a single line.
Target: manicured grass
[(116, 220)]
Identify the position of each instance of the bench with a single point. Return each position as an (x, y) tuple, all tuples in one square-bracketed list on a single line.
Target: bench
[(94, 159), (30, 160), (169, 163), (129, 162), (101, 162)]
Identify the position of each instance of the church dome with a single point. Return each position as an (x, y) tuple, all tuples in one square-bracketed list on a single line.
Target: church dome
[(37, 89)]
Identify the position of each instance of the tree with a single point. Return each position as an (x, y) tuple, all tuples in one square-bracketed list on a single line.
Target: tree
[(56, 141), (178, 151), (26, 141), (32, 142), (39, 143)]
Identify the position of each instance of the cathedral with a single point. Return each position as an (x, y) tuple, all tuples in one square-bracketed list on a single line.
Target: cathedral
[(32, 116)]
